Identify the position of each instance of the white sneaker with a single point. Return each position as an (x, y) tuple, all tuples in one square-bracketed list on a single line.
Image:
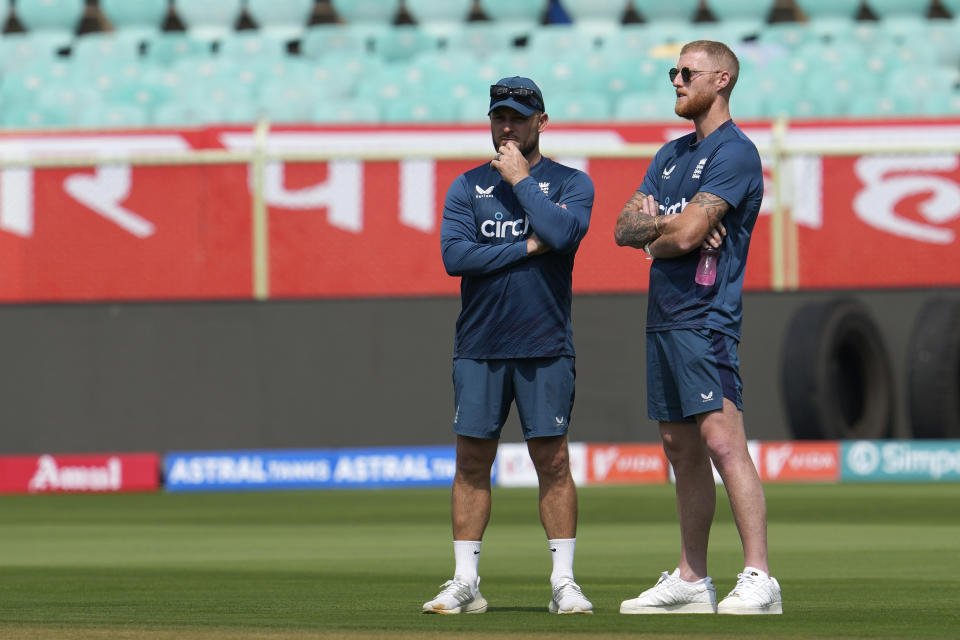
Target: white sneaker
[(755, 593), (673, 595), (568, 598), (457, 596)]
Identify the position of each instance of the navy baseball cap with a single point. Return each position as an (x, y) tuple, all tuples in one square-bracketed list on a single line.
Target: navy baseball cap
[(521, 94)]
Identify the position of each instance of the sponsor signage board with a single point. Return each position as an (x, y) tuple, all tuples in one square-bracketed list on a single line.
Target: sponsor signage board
[(354, 228), (626, 464), (800, 461), (901, 461), (80, 473), (753, 448), (428, 466), (513, 467)]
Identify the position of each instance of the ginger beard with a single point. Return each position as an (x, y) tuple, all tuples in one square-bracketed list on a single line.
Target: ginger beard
[(694, 104)]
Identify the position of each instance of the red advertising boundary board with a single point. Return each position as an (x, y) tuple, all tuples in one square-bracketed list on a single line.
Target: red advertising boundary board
[(73, 473), (351, 228)]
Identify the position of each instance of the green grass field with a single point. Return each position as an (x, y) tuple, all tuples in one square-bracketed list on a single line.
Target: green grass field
[(877, 561)]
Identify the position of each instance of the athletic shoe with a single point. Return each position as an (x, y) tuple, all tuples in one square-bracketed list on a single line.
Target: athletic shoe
[(755, 593), (568, 598), (673, 595), (457, 596)]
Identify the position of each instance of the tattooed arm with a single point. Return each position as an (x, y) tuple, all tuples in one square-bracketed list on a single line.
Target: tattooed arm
[(637, 224), (674, 235)]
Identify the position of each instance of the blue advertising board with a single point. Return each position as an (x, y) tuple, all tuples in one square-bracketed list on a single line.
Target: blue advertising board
[(901, 461), (371, 468)]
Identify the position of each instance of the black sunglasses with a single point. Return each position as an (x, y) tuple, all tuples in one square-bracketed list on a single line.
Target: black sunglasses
[(687, 73), (522, 95)]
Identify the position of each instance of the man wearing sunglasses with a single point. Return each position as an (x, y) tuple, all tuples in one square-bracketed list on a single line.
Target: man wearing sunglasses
[(510, 230), (698, 203)]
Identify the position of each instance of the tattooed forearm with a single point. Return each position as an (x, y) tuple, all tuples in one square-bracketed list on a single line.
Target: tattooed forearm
[(635, 228), (713, 207)]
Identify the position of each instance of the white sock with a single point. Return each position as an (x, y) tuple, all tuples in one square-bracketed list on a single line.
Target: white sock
[(562, 551), (467, 555)]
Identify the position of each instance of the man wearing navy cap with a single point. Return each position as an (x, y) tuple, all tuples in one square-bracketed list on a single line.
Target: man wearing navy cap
[(510, 230)]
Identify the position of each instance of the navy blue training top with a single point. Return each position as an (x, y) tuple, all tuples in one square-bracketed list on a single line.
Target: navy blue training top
[(726, 164), (515, 305)]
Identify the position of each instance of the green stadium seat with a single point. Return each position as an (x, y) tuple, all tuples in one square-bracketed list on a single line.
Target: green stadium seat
[(940, 104), (222, 96), (281, 19), (944, 36), (251, 46), (288, 102), (114, 116), (170, 47), (19, 50), (596, 16), (403, 42), (918, 81), (418, 109), (440, 17), (559, 75), (643, 106), (330, 80), (740, 18), (179, 113), (580, 107), (885, 9), (210, 19), (882, 106), (57, 18), (105, 48), (790, 35), (480, 39), (346, 111), (391, 82), (655, 11), (29, 117), (74, 101), (367, 16), (830, 19), (798, 104), (323, 40), (243, 112), (518, 17), (634, 39), (473, 110), (140, 18), (561, 40), (820, 9)]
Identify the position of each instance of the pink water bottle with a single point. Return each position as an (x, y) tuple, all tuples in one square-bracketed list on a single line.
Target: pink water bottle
[(707, 269)]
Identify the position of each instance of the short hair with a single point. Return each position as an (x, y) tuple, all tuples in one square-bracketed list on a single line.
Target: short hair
[(722, 56)]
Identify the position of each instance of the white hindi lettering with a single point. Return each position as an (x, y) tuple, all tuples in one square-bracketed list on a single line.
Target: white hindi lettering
[(103, 192), (889, 179)]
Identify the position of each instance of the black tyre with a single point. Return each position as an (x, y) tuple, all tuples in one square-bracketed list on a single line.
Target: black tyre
[(837, 379), (933, 370)]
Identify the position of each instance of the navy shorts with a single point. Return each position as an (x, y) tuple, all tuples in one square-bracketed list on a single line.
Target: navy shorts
[(485, 389), (691, 371)]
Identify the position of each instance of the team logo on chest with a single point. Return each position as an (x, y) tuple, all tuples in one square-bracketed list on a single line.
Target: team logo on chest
[(667, 172), (545, 187), (699, 169)]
